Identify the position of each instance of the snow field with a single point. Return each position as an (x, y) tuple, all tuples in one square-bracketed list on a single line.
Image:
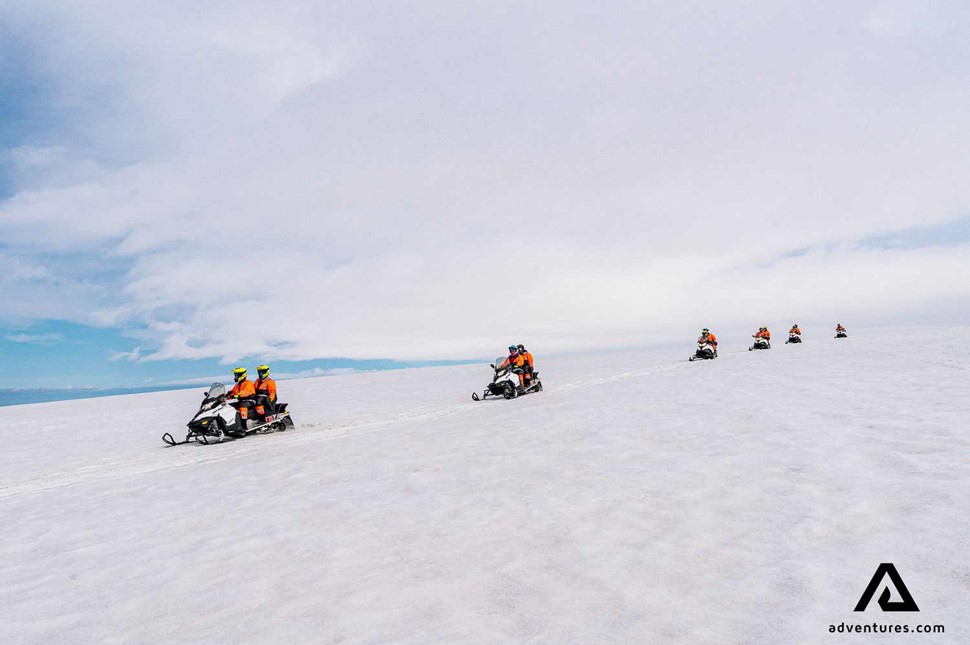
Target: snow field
[(639, 498)]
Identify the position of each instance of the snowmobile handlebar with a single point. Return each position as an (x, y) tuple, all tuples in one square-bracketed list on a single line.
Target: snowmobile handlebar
[(500, 372)]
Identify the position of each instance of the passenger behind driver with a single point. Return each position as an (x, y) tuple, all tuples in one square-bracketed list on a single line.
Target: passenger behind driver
[(265, 392), (528, 366)]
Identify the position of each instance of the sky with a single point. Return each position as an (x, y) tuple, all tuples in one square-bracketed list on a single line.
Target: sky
[(185, 186)]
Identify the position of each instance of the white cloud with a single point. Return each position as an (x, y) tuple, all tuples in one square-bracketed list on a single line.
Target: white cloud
[(199, 380), (34, 339), (430, 181), (901, 18), (133, 356), (315, 373)]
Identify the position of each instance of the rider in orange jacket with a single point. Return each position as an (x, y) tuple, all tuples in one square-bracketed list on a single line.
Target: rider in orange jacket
[(516, 362), (763, 333), (265, 391), (243, 391), (528, 366), (707, 337)]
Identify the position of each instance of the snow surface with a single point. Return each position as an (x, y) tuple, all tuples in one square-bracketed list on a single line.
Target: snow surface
[(640, 498)]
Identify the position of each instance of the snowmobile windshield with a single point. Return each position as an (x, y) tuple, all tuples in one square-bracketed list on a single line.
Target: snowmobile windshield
[(215, 391), (498, 361)]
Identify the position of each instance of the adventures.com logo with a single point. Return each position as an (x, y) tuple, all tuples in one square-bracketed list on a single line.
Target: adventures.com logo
[(887, 602)]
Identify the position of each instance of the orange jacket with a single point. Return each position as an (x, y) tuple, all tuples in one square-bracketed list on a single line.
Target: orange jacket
[(243, 389), (527, 359), (796, 331), (513, 361), (266, 386), (711, 338), (839, 328), (763, 334)]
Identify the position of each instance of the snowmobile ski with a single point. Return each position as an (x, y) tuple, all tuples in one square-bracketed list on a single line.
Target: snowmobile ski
[(276, 423)]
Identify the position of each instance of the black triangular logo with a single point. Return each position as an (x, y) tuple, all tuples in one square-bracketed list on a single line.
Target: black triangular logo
[(906, 604)]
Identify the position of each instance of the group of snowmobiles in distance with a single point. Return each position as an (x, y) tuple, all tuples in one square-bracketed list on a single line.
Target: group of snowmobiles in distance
[(707, 342), (253, 408)]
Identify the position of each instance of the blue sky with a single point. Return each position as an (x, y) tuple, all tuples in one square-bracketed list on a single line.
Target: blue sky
[(185, 186), (954, 232), (951, 233), (61, 355)]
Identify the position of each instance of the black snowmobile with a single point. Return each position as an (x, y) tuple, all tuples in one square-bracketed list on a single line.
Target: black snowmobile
[(793, 338), (841, 334), (705, 351), (760, 343), (218, 419), (505, 383)]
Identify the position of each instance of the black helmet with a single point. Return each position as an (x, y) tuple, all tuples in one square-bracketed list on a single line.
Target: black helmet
[(521, 347)]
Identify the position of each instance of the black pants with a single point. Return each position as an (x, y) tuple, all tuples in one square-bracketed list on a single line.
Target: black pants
[(527, 370), (269, 406), (246, 408)]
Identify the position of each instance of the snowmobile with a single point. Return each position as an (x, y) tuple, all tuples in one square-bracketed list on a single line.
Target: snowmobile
[(841, 334), (760, 343), (793, 338), (704, 351), (218, 420), (505, 383)]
